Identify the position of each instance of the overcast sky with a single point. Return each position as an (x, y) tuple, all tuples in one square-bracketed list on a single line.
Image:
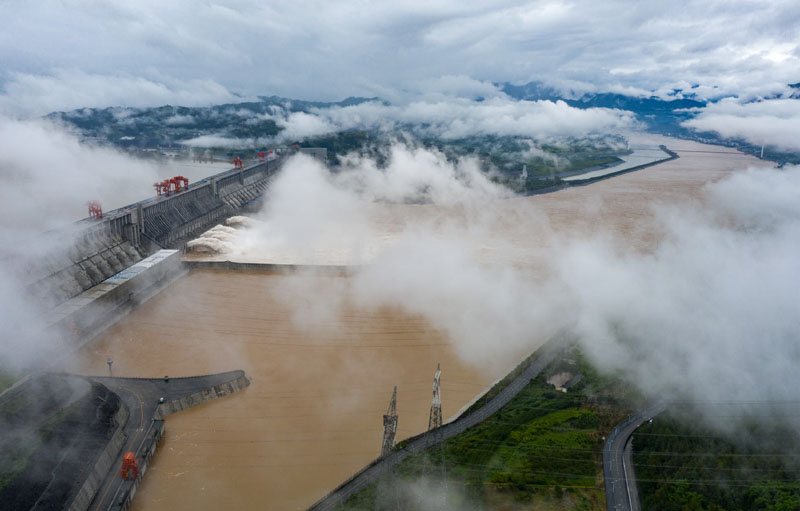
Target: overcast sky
[(72, 53)]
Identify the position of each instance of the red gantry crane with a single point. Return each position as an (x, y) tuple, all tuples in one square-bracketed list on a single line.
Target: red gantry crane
[(95, 210), (181, 183), (168, 186)]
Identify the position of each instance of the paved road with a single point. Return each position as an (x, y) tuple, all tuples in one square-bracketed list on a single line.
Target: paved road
[(621, 492), (141, 396), (426, 440)]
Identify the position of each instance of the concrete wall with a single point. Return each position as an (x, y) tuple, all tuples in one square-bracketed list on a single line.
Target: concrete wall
[(671, 155), (171, 221), (236, 266), (60, 265), (211, 393), (122, 501), (83, 497), (89, 313)]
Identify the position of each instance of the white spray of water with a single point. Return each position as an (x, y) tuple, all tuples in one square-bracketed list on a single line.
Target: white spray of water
[(710, 311)]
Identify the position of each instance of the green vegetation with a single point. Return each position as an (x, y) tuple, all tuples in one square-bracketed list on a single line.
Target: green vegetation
[(252, 125), (689, 467), (544, 449), (357, 142), (7, 379), (28, 418)]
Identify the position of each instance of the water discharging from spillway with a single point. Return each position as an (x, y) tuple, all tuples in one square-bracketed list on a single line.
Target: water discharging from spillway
[(322, 380)]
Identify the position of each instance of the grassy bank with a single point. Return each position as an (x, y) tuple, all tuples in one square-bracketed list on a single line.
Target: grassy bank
[(542, 451), (682, 466)]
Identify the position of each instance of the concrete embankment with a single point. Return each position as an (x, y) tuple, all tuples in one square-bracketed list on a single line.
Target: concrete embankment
[(578, 181), (88, 314), (93, 274), (207, 394), (269, 267), (61, 264), (105, 461), (150, 400), (124, 496)]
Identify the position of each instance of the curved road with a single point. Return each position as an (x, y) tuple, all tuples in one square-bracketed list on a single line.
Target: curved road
[(426, 440), (621, 492), (142, 398)]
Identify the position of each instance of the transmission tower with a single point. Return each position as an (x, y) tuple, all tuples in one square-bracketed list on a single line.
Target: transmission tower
[(435, 419), (435, 423), (390, 425)]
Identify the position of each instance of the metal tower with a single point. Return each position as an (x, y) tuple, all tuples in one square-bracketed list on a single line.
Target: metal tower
[(390, 425), (435, 419)]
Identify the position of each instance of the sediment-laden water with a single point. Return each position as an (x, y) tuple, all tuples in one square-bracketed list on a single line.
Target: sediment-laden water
[(322, 377)]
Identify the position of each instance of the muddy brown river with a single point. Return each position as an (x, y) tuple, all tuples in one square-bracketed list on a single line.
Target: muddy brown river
[(321, 379)]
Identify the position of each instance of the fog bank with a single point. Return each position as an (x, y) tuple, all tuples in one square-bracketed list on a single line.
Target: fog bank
[(709, 312)]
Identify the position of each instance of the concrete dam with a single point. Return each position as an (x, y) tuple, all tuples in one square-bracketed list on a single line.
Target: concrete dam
[(92, 250), (84, 278), (320, 381)]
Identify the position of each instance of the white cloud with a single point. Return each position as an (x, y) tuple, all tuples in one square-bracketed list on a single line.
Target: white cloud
[(47, 176), (320, 50), (775, 122), (299, 125), (178, 120), (708, 312), (29, 94), (222, 141), (442, 116)]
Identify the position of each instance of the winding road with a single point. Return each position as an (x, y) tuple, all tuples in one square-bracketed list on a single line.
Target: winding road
[(621, 492)]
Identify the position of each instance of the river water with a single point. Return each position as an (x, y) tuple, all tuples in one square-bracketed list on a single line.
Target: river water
[(322, 378)]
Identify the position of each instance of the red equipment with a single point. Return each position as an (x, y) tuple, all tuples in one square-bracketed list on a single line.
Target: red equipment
[(178, 186), (95, 210), (166, 187), (130, 467), (237, 163), (262, 156)]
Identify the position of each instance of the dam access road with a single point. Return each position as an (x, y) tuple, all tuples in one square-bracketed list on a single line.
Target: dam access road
[(148, 401)]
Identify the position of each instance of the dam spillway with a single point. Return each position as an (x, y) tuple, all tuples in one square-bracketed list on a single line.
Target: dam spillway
[(74, 259), (64, 270)]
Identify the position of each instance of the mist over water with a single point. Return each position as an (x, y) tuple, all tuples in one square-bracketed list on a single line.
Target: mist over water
[(708, 309), (712, 312), (47, 176)]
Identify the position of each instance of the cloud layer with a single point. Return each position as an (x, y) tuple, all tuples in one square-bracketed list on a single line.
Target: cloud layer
[(709, 312), (149, 53), (442, 117), (774, 122)]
